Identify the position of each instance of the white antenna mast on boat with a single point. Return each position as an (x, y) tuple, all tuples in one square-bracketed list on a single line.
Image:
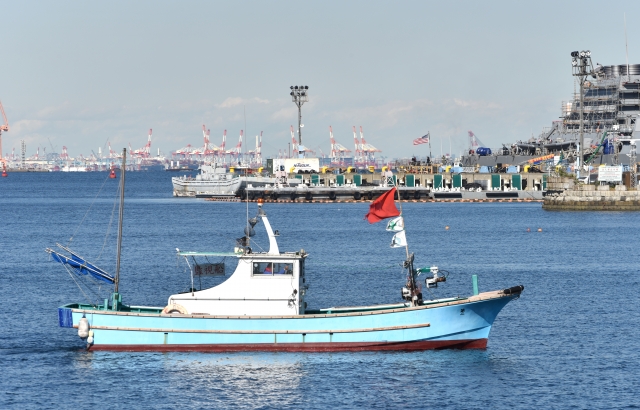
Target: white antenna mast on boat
[(626, 46), (408, 264), (120, 215)]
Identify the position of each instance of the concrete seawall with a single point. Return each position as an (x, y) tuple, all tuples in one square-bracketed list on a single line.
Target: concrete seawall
[(592, 198)]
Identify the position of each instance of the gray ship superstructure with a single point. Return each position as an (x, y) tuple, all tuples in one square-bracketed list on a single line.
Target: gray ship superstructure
[(215, 181), (611, 105)]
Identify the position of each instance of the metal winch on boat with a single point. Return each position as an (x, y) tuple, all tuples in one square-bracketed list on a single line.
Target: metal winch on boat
[(432, 282)]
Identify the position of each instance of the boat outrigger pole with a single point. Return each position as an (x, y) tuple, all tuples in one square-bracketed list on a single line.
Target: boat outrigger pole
[(120, 215)]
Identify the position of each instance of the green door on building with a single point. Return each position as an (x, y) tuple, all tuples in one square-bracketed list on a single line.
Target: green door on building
[(516, 181), (495, 181), (315, 179), (339, 180), (437, 181), (410, 180), (457, 180), (357, 179), (544, 182)]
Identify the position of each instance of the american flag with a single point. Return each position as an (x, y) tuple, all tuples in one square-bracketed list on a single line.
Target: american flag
[(422, 140)]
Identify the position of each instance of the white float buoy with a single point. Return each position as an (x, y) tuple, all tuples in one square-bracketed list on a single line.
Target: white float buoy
[(83, 328)]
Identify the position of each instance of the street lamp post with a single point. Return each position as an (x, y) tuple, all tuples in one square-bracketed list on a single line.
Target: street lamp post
[(299, 95), (582, 68)]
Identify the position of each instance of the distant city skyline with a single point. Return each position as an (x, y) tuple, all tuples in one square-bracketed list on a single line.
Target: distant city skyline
[(81, 75)]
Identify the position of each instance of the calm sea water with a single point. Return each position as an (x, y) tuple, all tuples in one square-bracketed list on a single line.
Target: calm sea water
[(570, 341)]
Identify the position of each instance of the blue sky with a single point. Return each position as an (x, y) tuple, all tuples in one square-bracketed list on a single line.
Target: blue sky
[(83, 73)]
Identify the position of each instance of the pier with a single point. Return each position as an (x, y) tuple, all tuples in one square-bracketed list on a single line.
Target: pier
[(594, 198), (416, 187)]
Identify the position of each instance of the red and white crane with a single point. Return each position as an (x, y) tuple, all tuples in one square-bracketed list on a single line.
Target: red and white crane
[(296, 148), (209, 148), (368, 150), (338, 150), (186, 151), (112, 153), (144, 152), (474, 142), (237, 151), (255, 155), (358, 156), (64, 156), (222, 149), (3, 127)]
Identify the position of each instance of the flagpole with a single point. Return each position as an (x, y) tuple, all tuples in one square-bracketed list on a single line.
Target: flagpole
[(430, 156), (409, 261), (406, 243)]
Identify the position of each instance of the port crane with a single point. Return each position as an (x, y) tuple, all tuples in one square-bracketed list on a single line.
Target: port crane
[(297, 148), (474, 142), (145, 151), (3, 127), (338, 150), (368, 150), (236, 152), (255, 155), (359, 153), (221, 150), (208, 148)]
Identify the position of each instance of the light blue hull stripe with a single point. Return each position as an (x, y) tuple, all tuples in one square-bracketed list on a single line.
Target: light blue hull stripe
[(467, 321)]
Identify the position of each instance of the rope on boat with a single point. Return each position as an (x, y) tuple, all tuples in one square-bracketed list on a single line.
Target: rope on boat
[(78, 284), (87, 213), (113, 212), (80, 287)]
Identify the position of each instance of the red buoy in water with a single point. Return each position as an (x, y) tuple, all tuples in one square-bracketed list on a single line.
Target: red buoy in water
[(4, 171), (112, 175)]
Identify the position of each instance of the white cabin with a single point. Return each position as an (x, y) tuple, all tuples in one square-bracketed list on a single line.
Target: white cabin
[(263, 284)]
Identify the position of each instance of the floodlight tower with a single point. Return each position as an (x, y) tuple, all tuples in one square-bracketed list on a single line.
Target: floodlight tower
[(582, 68), (299, 95)]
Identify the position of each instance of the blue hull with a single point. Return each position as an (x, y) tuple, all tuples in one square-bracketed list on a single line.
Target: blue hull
[(461, 323)]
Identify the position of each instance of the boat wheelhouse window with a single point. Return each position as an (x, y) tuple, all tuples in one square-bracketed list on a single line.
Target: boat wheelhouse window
[(272, 269)]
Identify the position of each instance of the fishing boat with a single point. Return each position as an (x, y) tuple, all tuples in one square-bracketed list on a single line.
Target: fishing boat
[(262, 307)]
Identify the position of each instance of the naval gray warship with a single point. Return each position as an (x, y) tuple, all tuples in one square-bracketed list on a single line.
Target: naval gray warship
[(610, 121)]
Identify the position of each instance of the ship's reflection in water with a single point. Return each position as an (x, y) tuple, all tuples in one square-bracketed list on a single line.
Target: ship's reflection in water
[(281, 380), (261, 379), (252, 379)]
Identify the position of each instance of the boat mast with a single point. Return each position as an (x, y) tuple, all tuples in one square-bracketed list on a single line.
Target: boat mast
[(408, 264), (120, 215)]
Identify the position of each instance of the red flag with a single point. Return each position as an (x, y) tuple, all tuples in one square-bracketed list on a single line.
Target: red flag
[(383, 207)]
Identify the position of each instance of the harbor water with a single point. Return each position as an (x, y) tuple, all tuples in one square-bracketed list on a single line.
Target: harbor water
[(570, 341)]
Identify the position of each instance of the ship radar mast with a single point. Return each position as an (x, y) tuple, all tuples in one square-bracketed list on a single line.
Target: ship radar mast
[(582, 68)]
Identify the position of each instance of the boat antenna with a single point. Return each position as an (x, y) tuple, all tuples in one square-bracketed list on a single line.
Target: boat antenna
[(120, 215), (248, 229), (626, 46)]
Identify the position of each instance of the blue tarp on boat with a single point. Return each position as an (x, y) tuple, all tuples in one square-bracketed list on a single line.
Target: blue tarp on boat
[(79, 265)]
